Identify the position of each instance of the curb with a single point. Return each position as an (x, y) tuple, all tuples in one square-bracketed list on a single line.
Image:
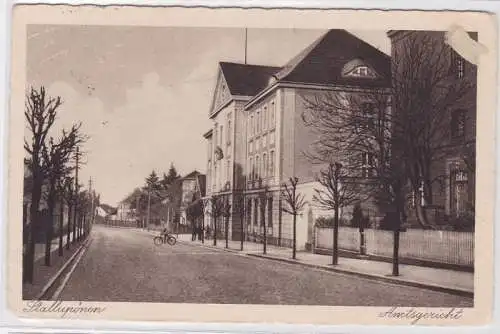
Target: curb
[(373, 277), (395, 280), (59, 273), (229, 250)]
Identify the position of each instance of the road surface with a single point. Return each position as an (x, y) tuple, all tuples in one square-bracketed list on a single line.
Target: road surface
[(123, 265)]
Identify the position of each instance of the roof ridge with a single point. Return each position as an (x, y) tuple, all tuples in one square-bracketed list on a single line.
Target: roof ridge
[(299, 58), (248, 65)]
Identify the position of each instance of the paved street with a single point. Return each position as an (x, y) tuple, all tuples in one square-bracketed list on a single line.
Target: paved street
[(124, 266)]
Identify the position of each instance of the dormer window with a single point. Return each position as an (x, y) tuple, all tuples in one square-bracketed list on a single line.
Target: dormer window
[(272, 80), (358, 69)]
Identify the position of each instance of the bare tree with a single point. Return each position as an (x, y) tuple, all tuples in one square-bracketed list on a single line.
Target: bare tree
[(56, 157), (240, 206), (411, 117), (40, 114), (337, 192), (226, 214), (426, 90), (215, 209), (263, 200), (294, 204), (64, 191), (360, 129)]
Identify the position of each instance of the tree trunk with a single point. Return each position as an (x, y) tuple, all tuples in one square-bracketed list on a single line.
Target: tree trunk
[(61, 223), (265, 227), (294, 251), (51, 203), (242, 228), (227, 231), (29, 256), (215, 231), (75, 222), (203, 230), (70, 214), (335, 252), (279, 223), (395, 253)]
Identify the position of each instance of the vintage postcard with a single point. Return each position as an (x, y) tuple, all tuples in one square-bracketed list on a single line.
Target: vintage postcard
[(251, 165)]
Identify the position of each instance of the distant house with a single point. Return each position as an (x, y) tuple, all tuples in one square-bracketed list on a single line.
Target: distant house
[(192, 189)]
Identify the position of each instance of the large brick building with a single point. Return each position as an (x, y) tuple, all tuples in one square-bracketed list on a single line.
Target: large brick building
[(452, 109), (259, 138)]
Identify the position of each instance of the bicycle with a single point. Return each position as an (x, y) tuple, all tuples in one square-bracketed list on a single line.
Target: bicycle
[(167, 238)]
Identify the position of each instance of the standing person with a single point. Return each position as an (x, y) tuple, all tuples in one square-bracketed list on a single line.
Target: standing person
[(193, 232), (199, 231)]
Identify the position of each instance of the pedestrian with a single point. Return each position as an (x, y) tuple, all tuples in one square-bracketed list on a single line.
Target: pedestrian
[(193, 232), (199, 231)]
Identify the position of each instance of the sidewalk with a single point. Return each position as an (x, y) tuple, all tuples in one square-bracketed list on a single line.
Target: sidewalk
[(444, 280)]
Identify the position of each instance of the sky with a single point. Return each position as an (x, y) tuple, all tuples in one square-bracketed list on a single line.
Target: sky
[(143, 94)]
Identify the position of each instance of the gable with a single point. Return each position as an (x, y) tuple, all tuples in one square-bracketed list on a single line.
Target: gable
[(221, 94)]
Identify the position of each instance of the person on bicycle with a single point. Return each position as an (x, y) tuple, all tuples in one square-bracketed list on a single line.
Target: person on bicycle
[(164, 234)]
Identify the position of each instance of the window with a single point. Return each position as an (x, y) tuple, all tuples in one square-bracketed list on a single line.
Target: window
[(221, 132), (368, 114), (270, 214), (250, 147), (215, 176), (457, 124), (264, 165), (228, 137), (265, 120), (264, 140), (272, 116), (361, 71), (421, 193), (271, 164), (228, 171), (252, 125), (257, 167), (457, 65), (251, 167), (367, 166), (271, 138)]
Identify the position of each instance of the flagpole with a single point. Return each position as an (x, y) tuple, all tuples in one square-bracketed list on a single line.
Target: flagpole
[(246, 42)]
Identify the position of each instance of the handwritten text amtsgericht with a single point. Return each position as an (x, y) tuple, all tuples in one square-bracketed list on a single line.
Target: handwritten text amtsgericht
[(414, 315), (61, 309)]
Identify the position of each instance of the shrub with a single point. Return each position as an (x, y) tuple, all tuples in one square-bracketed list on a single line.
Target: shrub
[(389, 221), (328, 222), (463, 223)]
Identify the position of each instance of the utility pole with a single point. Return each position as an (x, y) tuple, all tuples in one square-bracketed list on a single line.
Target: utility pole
[(76, 215)]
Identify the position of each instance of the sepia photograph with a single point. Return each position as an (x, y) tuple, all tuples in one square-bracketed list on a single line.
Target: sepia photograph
[(249, 165)]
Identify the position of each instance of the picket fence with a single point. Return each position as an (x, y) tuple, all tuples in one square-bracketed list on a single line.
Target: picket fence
[(448, 247)]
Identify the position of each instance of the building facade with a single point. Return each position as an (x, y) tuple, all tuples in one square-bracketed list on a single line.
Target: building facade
[(270, 137), (450, 194)]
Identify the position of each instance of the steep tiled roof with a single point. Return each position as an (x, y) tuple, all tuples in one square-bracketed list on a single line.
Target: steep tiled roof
[(322, 61), (245, 79)]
